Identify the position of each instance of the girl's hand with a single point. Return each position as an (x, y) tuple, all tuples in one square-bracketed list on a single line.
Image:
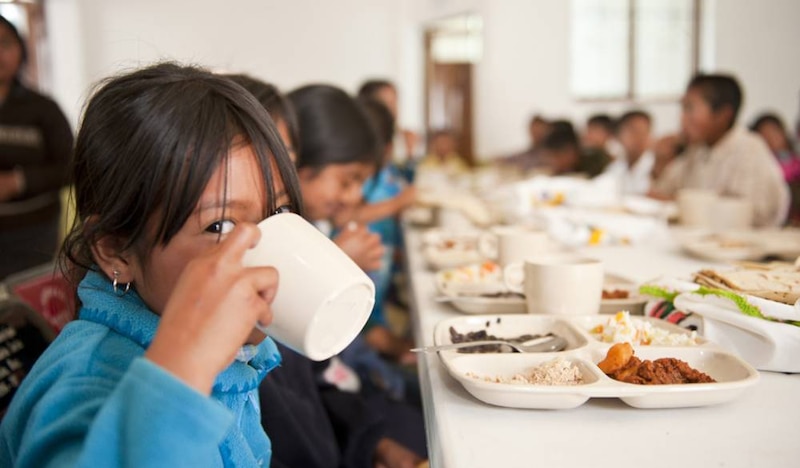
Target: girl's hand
[(390, 454), (213, 310), (361, 245)]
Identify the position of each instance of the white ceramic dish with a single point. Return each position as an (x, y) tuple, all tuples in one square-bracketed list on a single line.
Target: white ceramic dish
[(723, 247), (449, 249), (489, 305), (471, 280), (733, 375), (634, 303), (767, 345)]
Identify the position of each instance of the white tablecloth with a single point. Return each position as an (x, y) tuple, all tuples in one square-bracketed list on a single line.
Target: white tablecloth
[(757, 430)]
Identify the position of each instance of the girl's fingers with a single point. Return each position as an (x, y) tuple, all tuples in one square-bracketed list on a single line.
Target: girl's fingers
[(244, 237), (264, 281)]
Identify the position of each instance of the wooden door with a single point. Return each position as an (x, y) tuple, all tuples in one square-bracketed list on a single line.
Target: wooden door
[(448, 98)]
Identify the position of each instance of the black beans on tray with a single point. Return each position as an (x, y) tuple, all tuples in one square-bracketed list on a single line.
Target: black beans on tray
[(483, 335)]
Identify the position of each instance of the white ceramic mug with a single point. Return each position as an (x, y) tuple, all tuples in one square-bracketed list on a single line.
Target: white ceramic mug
[(559, 284), (732, 214), (508, 244), (696, 207), (323, 298)]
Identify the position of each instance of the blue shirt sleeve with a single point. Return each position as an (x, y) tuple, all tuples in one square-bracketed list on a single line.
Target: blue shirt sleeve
[(149, 418)]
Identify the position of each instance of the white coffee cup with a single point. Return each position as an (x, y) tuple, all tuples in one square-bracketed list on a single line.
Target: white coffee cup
[(323, 298), (732, 214), (508, 244), (696, 207), (559, 284)]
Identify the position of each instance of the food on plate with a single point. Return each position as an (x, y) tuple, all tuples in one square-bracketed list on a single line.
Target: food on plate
[(503, 295), (621, 364), (616, 294), (728, 242), (558, 371), (483, 335), (775, 281), (622, 328), (479, 274)]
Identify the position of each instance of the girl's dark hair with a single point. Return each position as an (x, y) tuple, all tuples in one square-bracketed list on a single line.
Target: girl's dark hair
[(276, 104), (23, 49), (334, 128), (370, 88), (381, 118), (719, 91), (149, 143)]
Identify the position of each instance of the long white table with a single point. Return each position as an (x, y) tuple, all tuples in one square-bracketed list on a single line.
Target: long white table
[(761, 429)]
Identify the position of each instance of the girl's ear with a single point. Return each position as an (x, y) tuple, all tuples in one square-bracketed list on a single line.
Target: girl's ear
[(108, 254)]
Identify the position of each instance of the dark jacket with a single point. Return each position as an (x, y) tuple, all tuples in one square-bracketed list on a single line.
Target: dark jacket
[(35, 137), (313, 424)]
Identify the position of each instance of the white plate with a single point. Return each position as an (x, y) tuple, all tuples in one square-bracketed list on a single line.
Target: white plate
[(722, 247), (449, 249), (489, 305), (733, 375), (634, 303), (470, 280)]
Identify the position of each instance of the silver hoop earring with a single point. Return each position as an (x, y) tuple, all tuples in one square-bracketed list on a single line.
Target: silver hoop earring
[(115, 285)]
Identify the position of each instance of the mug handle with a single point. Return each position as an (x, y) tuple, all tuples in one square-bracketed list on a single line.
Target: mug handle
[(514, 277), (488, 245)]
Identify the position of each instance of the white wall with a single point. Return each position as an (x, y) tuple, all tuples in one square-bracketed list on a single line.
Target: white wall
[(525, 68), (758, 41), (288, 43)]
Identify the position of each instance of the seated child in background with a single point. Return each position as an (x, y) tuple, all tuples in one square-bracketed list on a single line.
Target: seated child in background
[(531, 158), (774, 133), (442, 155), (634, 168), (564, 155), (312, 422), (385, 197), (386, 92), (599, 136), (339, 150), (337, 154), (771, 129), (173, 166), (722, 157)]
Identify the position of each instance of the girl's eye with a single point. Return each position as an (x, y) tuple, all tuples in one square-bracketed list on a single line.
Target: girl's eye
[(283, 209), (221, 227)]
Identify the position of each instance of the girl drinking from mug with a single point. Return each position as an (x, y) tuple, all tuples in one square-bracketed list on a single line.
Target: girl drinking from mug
[(173, 166)]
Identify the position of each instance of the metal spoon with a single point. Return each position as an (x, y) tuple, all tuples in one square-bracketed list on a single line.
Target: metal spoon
[(542, 344)]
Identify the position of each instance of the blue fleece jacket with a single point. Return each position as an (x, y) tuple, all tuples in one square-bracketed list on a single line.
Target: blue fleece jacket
[(92, 399)]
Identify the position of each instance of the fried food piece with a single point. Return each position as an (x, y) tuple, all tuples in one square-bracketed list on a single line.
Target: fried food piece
[(620, 364), (616, 358)]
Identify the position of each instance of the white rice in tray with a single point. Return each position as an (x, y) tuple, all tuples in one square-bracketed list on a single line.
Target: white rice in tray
[(559, 371), (622, 328)]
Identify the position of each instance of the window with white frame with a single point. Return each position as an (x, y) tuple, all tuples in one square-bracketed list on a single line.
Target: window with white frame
[(632, 49)]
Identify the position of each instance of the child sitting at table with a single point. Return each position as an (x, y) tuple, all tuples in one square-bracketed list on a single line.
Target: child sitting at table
[(173, 166), (311, 421), (722, 157)]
